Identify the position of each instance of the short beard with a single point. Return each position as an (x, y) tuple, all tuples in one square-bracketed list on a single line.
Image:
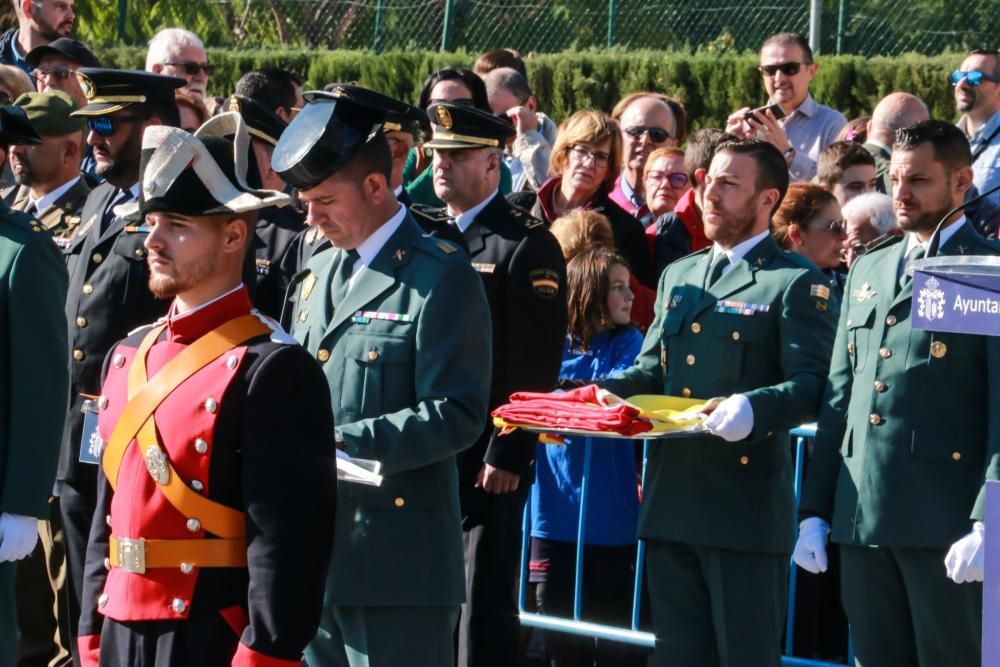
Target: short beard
[(23, 176), (738, 227), (188, 276), (927, 222), (48, 31)]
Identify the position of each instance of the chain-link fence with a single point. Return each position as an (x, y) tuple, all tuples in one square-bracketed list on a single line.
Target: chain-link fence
[(866, 27)]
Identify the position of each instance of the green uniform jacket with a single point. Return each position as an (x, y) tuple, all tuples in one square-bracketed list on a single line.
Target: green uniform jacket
[(34, 375), (910, 428), (407, 356), (703, 490)]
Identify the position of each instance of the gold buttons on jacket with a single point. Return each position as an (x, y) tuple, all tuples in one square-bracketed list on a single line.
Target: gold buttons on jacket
[(200, 446), (890, 320), (211, 405), (938, 349), (119, 360), (884, 352), (695, 327), (880, 386), (193, 525), (323, 355), (399, 502), (140, 252), (850, 349), (103, 600), (956, 456), (81, 322), (744, 460), (187, 568), (372, 355), (97, 258), (690, 360), (79, 355), (178, 605), (88, 289), (874, 419), (686, 392), (736, 335)]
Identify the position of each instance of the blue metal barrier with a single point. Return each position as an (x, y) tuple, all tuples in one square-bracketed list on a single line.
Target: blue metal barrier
[(632, 634)]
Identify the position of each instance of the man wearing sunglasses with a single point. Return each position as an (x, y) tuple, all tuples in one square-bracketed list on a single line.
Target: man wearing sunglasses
[(977, 97), (178, 52), (108, 294), (647, 123), (55, 64), (807, 127)]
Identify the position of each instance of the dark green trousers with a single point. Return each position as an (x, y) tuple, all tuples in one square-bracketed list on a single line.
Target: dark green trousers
[(384, 637), (904, 610), (716, 607)]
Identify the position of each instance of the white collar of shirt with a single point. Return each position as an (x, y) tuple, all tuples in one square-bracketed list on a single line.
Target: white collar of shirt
[(739, 251), (372, 246), (42, 204), (173, 316), (879, 144), (912, 241), (398, 191), (464, 219)]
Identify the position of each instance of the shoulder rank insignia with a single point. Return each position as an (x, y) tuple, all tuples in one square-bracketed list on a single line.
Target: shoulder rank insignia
[(759, 262), (399, 254), (484, 268), (430, 213), (307, 286), (544, 282), (445, 247), (822, 291), (866, 292)]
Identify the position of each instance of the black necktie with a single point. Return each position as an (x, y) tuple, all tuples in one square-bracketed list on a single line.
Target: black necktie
[(906, 278), (32, 209), (718, 265), (121, 197), (342, 278)]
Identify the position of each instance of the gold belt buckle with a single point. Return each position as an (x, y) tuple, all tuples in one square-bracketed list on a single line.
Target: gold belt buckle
[(132, 555)]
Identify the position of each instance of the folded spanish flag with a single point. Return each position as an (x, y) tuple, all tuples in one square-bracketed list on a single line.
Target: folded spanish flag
[(590, 408)]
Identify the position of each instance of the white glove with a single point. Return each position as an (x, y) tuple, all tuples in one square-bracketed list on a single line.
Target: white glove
[(341, 454), (732, 420), (964, 562), (18, 536), (810, 548)]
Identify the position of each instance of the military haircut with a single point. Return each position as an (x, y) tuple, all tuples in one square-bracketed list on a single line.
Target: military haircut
[(837, 158), (951, 148), (373, 156), (772, 170), (509, 79), (796, 38), (701, 149)]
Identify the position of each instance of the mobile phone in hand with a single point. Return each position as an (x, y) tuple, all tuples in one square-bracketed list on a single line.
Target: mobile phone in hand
[(773, 108)]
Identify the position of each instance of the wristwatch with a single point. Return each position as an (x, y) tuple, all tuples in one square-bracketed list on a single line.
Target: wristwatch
[(789, 155)]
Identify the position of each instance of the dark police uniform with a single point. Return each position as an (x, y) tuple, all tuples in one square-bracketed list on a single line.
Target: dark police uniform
[(718, 516), (524, 273), (907, 435), (203, 550), (407, 360), (108, 296), (34, 380)]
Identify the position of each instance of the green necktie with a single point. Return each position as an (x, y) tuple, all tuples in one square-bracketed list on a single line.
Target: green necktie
[(342, 278), (718, 266), (905, 278)]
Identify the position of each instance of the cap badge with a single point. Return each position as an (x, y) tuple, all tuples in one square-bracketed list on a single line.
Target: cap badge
[(444, 118), (340, 92), (88, 87), (234, 104)]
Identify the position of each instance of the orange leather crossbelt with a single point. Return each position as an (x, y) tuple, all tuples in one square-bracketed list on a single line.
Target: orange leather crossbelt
[(175, 553), (136, 421)]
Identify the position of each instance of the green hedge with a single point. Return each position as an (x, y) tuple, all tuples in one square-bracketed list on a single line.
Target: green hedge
[(710, 87)]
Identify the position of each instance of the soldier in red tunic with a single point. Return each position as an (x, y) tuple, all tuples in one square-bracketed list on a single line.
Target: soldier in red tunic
[(217, 484)]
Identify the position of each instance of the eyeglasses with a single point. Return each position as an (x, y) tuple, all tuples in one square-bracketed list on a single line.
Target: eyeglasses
[(788, 69), (60, 73), (105, 126), (973, 78), (677, 179), (656, 134), (600, 158), (835, 227), (192, 68)]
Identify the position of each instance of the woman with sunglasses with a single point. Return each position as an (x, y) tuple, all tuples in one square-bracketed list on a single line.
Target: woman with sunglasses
[(809, 222)]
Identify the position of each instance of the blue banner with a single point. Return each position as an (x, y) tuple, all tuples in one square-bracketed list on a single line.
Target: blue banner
[(958, 301)]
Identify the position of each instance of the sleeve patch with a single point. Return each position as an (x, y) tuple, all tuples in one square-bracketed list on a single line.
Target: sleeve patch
[(544, 282), (821, 291)]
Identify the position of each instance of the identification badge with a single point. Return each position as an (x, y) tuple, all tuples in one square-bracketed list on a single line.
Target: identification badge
[(91, 444)]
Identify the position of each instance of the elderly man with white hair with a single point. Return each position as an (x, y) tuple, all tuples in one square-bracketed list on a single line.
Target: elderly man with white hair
[(179, 52), (868, 217)]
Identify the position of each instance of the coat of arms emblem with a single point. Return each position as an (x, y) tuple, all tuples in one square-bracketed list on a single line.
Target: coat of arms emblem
[(930, 301)]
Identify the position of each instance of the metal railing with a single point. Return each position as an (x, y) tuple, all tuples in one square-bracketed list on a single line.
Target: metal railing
[(632, 634)]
